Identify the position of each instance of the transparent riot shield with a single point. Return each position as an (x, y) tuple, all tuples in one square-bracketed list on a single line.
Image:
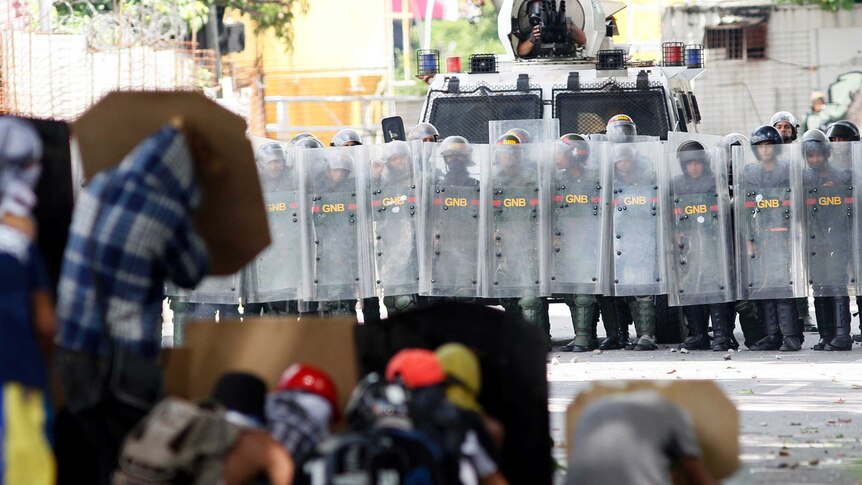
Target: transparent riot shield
[(827, 179), (451, 227), (855, 150), (637, 177), (394, 183), (769, 220), (578, 219), (334, 230), (528, 131), (276, 273), (516, 217), (222, 290), (700, 262)]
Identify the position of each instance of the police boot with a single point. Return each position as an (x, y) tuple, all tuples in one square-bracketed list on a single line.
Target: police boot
[(750, 321), (616, 329), (697, 318), (370, 309), (722, 331), (584, 318), (772, 338), (823, 312), (790, 325), (842, 340), (804, 317), (531, 309), (644, 314)]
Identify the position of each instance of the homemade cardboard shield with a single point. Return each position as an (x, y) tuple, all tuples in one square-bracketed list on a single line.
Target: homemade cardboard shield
[(231, 217), (264, 347), (716, 421)]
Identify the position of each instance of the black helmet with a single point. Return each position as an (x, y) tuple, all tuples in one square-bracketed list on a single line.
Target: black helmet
[(789, 118), (844, 130), (766, 135), (343, 137), (692, 151), (300, 136), (308, 142), (522, 134), (577, 148), (376, 402), (457, 145), (815, 141)]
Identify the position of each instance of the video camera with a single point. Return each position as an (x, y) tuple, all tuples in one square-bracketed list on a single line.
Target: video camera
[(551, 19)]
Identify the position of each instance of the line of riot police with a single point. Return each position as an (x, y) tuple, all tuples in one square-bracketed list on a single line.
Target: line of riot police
[(605, 223)]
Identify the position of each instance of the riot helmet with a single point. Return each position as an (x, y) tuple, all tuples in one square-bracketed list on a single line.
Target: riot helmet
[(523, 135), (621, 128), (816, 148), (396, 154), (374, 402), (423, 131), (786, 124), (574, 147), (766, 135), (346, 138), (842, 131), (456, 149), (300, 136), (308, 142), (339, 162), (692, 152), (733, 140), (272, 159), (508, 152)]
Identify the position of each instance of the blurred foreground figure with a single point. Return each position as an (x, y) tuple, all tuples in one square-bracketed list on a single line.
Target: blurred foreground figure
[(27, 322), (635, 438)]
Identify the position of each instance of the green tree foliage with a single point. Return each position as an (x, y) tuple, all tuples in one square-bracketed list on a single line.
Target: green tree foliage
[(277, 15), (828, 5)]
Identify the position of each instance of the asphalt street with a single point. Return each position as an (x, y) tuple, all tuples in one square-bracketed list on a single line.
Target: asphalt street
[(800, 412)]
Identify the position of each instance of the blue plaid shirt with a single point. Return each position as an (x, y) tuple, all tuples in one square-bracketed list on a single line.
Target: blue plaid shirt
[(131, 230)]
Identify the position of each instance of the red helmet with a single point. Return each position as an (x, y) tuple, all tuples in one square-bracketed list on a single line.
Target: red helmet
[(307, 378), (416, 368)]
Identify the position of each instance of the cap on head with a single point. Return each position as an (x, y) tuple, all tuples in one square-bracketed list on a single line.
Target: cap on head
[(843, 130), (345, 138), (241, 392), (307, 378), (423, 130), (415, 368), (787, 117)]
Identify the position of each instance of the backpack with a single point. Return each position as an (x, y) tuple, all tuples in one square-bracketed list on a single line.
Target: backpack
[(178, 442), (382, 456)]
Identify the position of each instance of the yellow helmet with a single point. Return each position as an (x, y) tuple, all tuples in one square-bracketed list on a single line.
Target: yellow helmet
[(463, 374)]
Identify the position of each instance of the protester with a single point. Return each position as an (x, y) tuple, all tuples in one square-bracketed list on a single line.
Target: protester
[(27, 321)]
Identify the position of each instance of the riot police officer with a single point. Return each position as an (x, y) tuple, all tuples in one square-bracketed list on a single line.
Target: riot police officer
[(827, 190), (748, 311), (772, 246), (695, 244), (514, 264), (573, 227), (350, 138), (392, 177), (631, 174), (423, 131)]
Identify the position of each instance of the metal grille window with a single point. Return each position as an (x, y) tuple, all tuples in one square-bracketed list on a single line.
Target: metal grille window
[(739, 40), (588, 109), (467, 112)]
